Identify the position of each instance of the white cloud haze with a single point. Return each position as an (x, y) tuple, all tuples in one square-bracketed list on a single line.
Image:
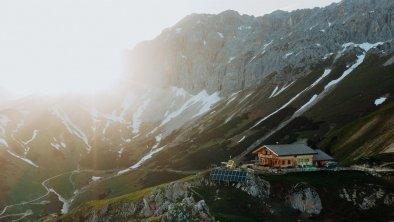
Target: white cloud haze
[(61, 45)]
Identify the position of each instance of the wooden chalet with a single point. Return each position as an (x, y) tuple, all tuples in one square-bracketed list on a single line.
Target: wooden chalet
[(285, 155)]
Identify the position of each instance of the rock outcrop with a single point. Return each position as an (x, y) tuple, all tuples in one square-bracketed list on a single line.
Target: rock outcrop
[(170, 203), (305, 199), (368, 197), (255, 186)]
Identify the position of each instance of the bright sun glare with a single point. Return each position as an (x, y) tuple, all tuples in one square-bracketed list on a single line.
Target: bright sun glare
[(56, 47), (51, 46)]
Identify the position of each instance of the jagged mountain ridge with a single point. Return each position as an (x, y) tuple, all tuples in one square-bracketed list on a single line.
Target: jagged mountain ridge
[(230, 52)]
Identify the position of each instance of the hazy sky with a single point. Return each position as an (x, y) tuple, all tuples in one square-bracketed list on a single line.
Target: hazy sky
[(60, 45)]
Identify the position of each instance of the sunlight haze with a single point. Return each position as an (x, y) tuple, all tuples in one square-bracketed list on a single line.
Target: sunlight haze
[(60, 46)]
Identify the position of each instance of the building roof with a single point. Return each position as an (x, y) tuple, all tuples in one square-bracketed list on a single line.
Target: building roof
[(321, 155), (289, 149)]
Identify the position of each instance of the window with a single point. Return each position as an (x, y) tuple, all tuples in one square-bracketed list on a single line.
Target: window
[(288, 161), (283, 162)]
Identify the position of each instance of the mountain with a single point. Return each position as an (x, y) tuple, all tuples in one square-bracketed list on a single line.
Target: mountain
[(230, 52), (209, 88)]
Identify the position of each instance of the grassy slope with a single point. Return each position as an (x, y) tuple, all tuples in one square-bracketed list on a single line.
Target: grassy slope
[(98, 204), (348, 108), (126, 183), (367, 136)]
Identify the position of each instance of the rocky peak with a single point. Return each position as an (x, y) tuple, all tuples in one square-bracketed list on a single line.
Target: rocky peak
[(230, 52)]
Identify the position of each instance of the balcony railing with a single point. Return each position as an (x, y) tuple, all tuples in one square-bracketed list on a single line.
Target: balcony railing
[(265, 156)]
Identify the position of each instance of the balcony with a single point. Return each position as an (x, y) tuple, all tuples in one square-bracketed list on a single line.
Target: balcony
[(265, 156)]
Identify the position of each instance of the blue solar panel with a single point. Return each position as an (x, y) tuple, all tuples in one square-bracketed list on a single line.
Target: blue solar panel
[(228, 175)]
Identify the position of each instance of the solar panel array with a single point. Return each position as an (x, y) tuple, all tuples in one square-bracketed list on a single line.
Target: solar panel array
[(228, 175)]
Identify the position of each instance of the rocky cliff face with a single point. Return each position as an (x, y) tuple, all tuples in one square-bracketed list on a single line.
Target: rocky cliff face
[(271, 197), (305, 199), (173, 202), (230, 52)]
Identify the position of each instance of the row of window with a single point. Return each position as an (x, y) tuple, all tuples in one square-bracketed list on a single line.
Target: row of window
[(283, 162)]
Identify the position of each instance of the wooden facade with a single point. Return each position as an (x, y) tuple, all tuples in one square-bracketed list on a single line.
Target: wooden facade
[(269, 158)]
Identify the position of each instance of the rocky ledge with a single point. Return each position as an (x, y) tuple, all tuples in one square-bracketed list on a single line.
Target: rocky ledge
[(172, 202)]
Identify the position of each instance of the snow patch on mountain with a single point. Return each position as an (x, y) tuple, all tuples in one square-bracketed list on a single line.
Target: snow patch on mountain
[(94, 178), (380, 100), (23, 159), (327, 55), (120, 152), (115, 118), (243, 99), (137, 116), (280, 108), (149, 155), (243, 27), (57, 145), (179, 91), (66, 203), (325, 73), (71, 127), (366, 46), (230, 59), (276, 92), (142, 160), (242, 139), (202, 99), (232, 97), (360, 59), (389, 62), (126, 140), (35, 133), (307, 103), (158, 140), (105, 127), (207, 102), (288, 54), (3, 142)]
